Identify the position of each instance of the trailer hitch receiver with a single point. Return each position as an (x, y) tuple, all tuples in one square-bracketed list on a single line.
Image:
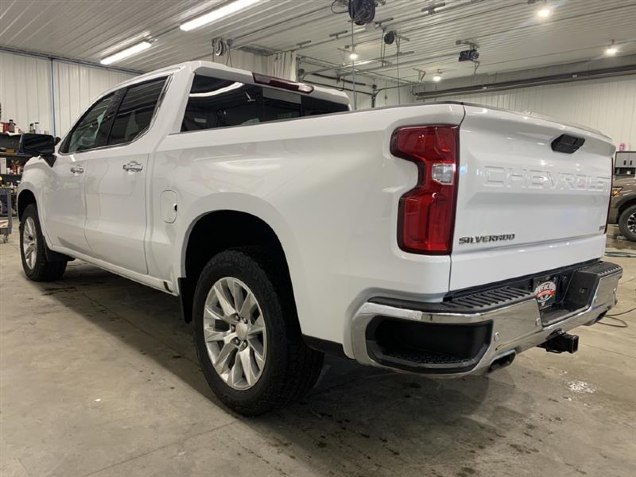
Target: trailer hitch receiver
[(561, 342)]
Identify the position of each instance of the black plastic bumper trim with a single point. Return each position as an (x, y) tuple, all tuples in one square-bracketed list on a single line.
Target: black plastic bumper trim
[(430, 348), (325, 346), (477, 302)]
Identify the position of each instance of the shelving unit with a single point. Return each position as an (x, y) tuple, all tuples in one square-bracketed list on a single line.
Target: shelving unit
[(9, 145), (6, 213)]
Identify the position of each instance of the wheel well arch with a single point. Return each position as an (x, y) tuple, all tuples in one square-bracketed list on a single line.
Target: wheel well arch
[(25, 198), (626, 205), (222, 230)]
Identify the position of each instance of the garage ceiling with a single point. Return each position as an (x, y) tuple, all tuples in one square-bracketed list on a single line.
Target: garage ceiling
[(509, 33)]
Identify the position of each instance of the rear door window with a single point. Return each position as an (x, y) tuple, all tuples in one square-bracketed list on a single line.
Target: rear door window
[(136, 111)]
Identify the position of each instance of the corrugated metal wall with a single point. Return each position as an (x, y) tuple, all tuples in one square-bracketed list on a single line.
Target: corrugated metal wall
[(25, 90), (608, 105), (54, 93), (76, 86), (31, 88), (386, 97)]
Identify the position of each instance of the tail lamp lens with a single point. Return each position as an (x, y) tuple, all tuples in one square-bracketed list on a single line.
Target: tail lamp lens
[(427, 212)]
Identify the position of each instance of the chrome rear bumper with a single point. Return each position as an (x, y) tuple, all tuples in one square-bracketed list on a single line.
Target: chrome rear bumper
[(469, 334)]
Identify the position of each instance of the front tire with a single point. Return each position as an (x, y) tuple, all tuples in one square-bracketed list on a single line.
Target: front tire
[(33, 250), (247, 335), (627, 223)]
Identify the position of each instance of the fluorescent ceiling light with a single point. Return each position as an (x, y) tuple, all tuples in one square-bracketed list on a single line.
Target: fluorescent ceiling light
[(217, 14), (611, 50), (434, 8), (225, 89), (365, 62), (544, 12), (130, 51)]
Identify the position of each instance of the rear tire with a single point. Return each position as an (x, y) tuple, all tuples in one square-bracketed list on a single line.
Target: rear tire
[(260, 333), (33, 250), (627, 223)]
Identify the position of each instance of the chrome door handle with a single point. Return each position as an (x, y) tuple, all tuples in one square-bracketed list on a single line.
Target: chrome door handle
[(77, 169), (133, 166)]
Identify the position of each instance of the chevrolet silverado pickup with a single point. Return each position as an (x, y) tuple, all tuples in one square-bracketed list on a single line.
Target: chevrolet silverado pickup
[(439, 239), (623, 206)]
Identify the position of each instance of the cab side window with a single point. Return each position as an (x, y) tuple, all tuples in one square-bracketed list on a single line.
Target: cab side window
[(92, 130), (136, 111)]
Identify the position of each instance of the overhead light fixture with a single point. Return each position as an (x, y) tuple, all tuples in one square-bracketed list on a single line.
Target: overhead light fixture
[(366, 62), (353, 56), (437, 78), (218, 14), (434, 8), (362, 63), (123, 54), (544, 12), (611, 50)]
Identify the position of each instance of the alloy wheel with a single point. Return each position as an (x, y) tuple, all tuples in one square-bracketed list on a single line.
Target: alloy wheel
[(29, 243), (631, 223), (234, 333)]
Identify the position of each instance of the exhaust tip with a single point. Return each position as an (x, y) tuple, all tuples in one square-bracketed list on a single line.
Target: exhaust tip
[(502, 362)]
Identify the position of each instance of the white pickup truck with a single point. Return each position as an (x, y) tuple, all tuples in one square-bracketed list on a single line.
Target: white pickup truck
[(439, 239)]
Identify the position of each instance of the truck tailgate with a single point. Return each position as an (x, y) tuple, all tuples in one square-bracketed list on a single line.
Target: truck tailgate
[(522, 207)]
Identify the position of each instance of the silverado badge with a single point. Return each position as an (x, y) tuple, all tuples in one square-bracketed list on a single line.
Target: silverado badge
[(485, 238)]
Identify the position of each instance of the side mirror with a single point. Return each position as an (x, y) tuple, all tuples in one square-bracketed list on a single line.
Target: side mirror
[(37, 145), (57, 140)]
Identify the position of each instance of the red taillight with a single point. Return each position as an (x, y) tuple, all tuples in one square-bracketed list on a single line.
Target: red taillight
[(427, 212)]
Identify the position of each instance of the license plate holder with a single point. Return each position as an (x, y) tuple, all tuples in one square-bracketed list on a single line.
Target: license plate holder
[(545, 290)]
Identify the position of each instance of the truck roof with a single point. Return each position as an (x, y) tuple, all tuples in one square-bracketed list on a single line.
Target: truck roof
[(210, 68)]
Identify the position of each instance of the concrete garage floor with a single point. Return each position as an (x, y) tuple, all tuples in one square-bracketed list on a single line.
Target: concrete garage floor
[(98, 377)]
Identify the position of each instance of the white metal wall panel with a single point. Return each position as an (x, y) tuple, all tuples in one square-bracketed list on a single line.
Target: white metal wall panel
[(388, 97), (55, 93), (608, 105), (394, 96), (76, 87), (25, 90)]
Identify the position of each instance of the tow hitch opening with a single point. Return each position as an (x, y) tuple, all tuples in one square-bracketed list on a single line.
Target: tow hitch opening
[(561, 342)]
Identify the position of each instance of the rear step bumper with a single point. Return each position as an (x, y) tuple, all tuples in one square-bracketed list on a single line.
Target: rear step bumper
[(480, 331)]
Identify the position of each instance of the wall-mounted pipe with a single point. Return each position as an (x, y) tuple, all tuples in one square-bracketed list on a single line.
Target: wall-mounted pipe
[(336, 79), (528, 83)]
